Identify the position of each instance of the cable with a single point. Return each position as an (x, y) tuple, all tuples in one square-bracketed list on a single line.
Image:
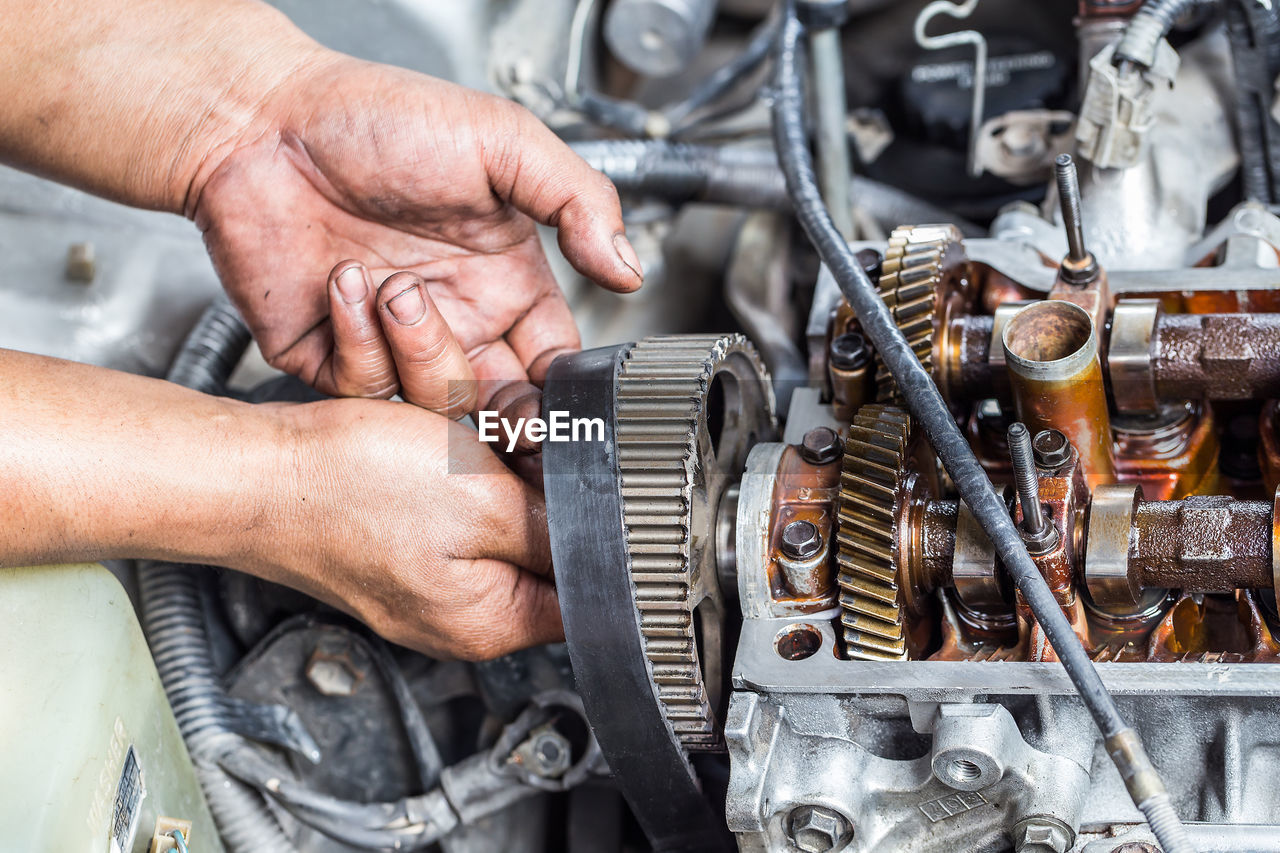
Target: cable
[(738, 176), (930, 410), (719, 82), (1148, 26)]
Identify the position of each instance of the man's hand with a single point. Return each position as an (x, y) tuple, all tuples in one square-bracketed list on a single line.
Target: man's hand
[(394, 514), (404, 519), (398, 171), (292, 159)]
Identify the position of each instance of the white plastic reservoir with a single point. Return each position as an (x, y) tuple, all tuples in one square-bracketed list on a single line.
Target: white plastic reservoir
[(90, 755)]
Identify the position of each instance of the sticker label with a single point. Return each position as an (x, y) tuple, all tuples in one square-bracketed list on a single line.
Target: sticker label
[(952, 805), (128, 807)]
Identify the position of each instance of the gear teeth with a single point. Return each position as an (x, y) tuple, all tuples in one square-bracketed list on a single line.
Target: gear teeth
[(662, 388), (912, 273), (871, 490)]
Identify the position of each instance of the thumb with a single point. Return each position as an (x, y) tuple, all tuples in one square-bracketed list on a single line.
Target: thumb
[(531, 168)]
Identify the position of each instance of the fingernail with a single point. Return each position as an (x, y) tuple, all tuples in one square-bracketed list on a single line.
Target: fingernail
[(627, 254), (352, 286), (408, 306)]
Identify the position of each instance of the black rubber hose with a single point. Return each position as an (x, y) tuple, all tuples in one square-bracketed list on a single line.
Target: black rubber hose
[(1254, 32), (1152, 22), (930, 411), (739, 177)]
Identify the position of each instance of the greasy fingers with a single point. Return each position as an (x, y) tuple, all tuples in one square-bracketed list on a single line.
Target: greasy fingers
[(533, 169), (432, 368), (362, 364)]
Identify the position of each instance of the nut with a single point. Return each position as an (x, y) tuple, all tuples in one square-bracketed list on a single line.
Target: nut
[(821, 446), (817, 829), (801, 540)]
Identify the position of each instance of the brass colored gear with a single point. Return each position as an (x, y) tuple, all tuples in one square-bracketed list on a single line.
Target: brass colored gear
[(924, 280), (872, 487), (886, 482)]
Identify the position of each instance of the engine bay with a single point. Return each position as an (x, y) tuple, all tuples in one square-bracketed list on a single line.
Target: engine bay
[(934, 503)]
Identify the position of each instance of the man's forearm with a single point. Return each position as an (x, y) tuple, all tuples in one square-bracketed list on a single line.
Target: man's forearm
[(96, 464), (130, 98)]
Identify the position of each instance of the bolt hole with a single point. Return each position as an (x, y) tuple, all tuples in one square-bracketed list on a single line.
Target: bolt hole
[(797, 642), (964, 770)]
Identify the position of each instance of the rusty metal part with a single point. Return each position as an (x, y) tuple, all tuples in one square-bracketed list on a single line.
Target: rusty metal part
[(1039, 534), (1202, 544), (975, 575), (1151, 356), (1275, 545), (1129, 348), (1269, 444), (821, 446), (881, 520), (925, 281), (803, 492), (674, 469), (1171, 454), (1051, 351), (850, 369), (1217, 356)]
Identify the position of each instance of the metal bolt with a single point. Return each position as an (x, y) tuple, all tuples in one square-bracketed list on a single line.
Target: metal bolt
[(81, 266), (1052, 449), (849, 351), (1042, 834), (1040, 535), (821, 446), (1079, 267), (817, 829), (801, 540), (872, 262), (1136, 847)]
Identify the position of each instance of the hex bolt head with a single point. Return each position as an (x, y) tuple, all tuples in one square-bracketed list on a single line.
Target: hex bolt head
[(1052, 449), (849, 351), (872, 262), (1042, 834), (821, 446), (801, 540), (818, 829)]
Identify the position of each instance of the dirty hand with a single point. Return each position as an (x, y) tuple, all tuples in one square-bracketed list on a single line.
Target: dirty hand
[(404, 519), (396, 515), (293, 158), (398, 171)]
